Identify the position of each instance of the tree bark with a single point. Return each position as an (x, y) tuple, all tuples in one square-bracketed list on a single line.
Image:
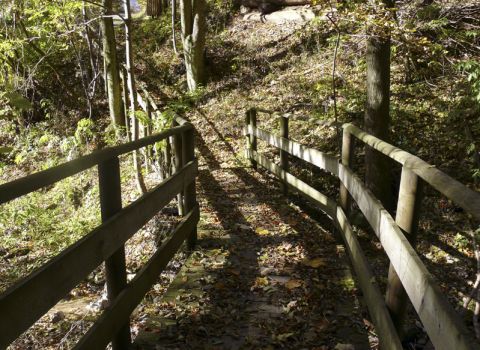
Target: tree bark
[(377, 116), (174, 17), (111, 67), (155, 8), (192, 13), (133, 96)]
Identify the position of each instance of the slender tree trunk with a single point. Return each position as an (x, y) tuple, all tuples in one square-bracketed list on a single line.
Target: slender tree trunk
[(174, 17), (133, 96), (111, 67), (192, 15), (377, 116)]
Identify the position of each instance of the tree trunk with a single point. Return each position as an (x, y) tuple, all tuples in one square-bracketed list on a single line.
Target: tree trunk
[(192, 13), (133, 96), (111, 66), (377, 117), (174, 17), (155, 8)]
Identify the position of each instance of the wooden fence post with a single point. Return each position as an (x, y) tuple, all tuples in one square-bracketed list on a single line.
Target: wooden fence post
[(283, 154), (189, 192), (251, 120), (348, 149), (247, 138), (408, 213), (168, 157), (177, 150), (115, 268)]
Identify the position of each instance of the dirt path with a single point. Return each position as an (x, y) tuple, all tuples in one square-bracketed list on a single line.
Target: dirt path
[(265, 275)]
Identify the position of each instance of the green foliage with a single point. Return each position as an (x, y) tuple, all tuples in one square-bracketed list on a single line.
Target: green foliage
[(44, 223), (472, 70), (85, 131)]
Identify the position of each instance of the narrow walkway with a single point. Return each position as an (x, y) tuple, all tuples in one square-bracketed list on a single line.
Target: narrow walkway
[(264, 276)]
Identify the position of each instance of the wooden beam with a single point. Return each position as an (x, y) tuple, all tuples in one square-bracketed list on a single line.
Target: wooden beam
[(348, 149), (119, 311), (284, 155), (384, 325), (407, 216), (322, 160), (189, 192), (443, 325), (451, 188), (253, 138), (25, 302), (326, 204), (34, 182), (115, 266)]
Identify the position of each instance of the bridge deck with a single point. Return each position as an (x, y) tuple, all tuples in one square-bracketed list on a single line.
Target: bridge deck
[(264, 275)]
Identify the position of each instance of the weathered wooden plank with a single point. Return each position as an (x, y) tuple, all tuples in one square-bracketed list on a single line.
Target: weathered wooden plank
[(253, 138), (348, 149), (439, 318), (377, 308), (453, 189), (189, 192), (25, 185), (26, 301), (407, 216), (284, 155), (326, 204), (322, 160), (119, 311), (110, 189)]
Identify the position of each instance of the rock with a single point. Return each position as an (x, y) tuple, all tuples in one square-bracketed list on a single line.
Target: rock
[(291, 14)]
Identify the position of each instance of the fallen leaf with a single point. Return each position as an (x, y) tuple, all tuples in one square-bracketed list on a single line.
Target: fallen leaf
[(219, 285), (261, 231), (243, 227), (292, 284), (284, 336), (315, 263), (261, 281), (234, 272)]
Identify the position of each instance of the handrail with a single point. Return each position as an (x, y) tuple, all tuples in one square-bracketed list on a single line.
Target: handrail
[(463, 196), (50, 176), (438, 316), (28, 299)]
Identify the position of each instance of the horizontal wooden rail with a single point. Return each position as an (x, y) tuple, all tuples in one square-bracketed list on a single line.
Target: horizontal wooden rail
[(326, 204), (322, 160), (451, 188), (442, 323), (25, 302), (375, 302), (116, 314), (50, 176)]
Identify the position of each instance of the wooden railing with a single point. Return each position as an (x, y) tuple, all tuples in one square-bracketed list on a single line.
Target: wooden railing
[(25, 302), (408, 276)]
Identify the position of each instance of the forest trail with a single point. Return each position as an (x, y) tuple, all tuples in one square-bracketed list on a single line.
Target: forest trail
[(264, 275)]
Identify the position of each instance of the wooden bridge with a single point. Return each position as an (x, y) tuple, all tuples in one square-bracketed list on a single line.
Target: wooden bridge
[(26, 301)]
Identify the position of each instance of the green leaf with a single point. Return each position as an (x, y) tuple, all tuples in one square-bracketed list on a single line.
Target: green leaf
[(18, 101)]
